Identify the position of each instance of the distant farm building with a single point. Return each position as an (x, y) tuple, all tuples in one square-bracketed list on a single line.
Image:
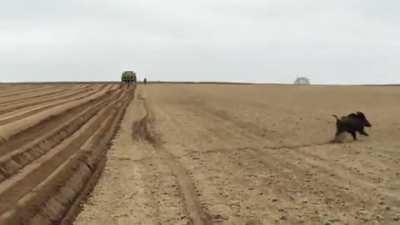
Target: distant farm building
[(302, 81)]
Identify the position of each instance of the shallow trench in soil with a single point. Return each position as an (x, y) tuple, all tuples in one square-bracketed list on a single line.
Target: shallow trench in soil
[(52, 149)]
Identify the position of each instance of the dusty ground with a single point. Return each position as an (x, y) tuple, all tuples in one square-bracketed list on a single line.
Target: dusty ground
[(226, 154)]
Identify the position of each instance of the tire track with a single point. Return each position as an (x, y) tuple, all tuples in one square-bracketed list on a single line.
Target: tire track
[(145, 130)]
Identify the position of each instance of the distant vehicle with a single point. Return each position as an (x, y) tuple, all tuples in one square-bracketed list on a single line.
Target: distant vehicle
[(128, 77)]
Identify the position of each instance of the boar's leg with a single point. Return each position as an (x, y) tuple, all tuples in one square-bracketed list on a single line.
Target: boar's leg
[(353, 133), (363, 132)]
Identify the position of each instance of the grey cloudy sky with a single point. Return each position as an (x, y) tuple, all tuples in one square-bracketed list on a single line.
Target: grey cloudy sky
[(330, 41)]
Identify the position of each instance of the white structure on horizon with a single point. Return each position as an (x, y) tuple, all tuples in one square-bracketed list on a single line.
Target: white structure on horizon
[(302, 81)]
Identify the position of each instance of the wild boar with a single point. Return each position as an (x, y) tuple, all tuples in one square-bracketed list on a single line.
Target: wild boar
[(352, 123)]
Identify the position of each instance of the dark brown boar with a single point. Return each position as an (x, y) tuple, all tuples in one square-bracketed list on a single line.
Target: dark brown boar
[(352, 123)]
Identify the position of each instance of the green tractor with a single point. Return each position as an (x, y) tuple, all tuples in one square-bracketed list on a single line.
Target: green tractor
[(128, 77)]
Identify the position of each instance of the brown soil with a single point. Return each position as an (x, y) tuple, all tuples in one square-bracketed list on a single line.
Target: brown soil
[(250, 154), (52, 147)]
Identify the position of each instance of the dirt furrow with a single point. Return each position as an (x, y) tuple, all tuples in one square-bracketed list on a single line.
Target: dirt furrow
[(25, 138), (12, 162), (107, 119), (94, 153), (34, 95), (7, 88), (9, 117), (27, 91), (39, 169), (11, 129), (144, 188), (43, 98)]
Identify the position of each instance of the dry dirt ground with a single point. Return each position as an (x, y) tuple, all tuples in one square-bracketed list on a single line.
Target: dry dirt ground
[(53, 140), (250, 155)]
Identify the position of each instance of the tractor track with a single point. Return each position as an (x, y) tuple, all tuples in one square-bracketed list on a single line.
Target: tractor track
[(46, 169), (145, 130)]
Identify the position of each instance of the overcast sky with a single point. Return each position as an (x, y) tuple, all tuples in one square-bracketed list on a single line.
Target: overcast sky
[(329, 41)]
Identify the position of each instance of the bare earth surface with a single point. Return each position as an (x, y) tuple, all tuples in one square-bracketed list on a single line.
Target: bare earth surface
[(249, 155), (53, 140)]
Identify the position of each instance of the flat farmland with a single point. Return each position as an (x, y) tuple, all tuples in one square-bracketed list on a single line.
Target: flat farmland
[(250, 154), (53, 139), (196, 154)]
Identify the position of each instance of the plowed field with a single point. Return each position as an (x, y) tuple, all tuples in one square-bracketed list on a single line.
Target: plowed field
[(53, 139), (249, 155), (197, 154)]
